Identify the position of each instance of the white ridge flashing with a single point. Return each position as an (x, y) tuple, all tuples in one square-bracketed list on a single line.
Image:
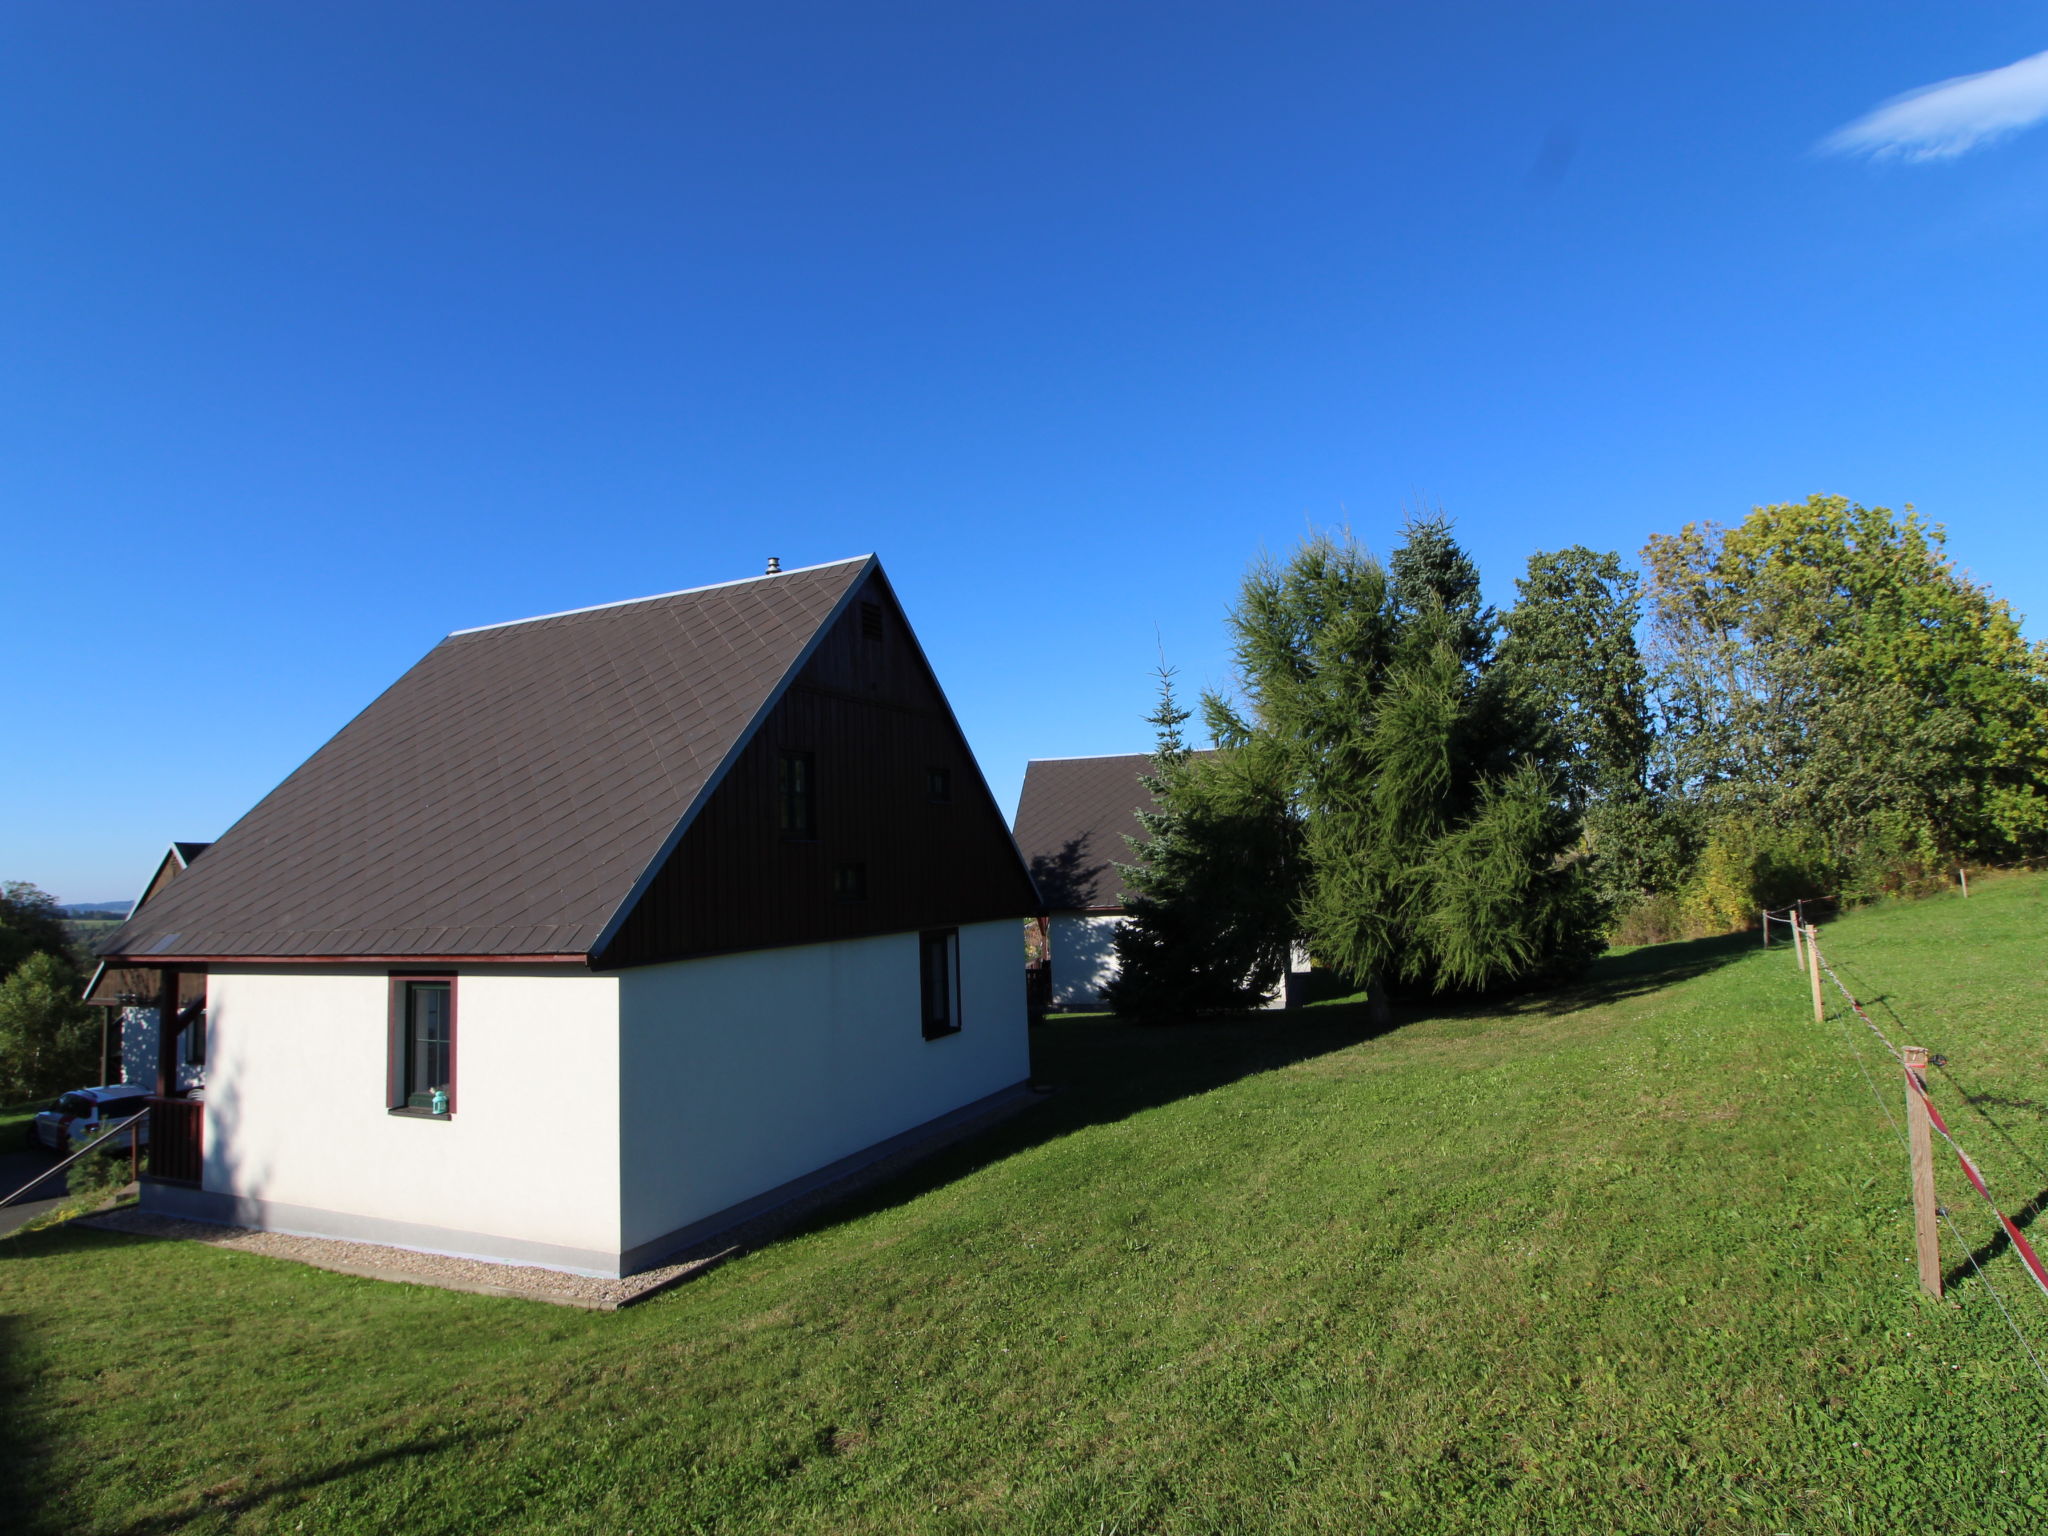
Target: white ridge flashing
[(627, 602)]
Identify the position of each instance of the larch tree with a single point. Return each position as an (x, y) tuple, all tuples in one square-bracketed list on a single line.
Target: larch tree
[(1439, 830)]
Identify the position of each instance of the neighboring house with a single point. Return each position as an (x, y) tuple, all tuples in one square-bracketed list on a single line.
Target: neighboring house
[(1076, 818), (598, 932), (128, 1041)]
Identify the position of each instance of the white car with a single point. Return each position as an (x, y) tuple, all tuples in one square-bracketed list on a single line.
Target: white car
[(85, 1112)]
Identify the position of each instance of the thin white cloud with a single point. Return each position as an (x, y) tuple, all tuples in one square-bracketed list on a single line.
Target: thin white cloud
[(1951, 117)]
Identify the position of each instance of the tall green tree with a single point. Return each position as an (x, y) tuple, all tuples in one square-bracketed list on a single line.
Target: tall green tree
[(1211, 885), (1570, 650), (30, 924), (1826, 672), (49, 1040), (1439, 832), (1431, 570)]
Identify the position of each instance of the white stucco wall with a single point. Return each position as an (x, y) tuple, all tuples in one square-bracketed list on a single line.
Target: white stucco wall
[(743, 1072), (296, 1114), (1083, 953), (138, 1052), (1083, 949)]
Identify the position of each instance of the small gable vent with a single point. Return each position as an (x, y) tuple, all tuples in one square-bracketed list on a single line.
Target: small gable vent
[(871, 620)]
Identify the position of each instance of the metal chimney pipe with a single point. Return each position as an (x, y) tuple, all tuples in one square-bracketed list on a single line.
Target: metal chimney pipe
[(774, 567)]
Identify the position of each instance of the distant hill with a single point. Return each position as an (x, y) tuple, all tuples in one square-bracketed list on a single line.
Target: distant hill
[(113, 909)]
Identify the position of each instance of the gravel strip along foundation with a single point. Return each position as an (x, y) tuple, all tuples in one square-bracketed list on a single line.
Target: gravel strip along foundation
[(373, 1261), (527, 1282)]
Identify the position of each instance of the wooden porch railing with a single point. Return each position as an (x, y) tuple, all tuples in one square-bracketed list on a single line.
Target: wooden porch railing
[(1037, 989), (176, 1130)]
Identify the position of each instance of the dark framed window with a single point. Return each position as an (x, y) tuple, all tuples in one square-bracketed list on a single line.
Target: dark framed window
[(422, 1068), (799, 796), (850, 883), (870, 620), (938, 785), (938, 977)]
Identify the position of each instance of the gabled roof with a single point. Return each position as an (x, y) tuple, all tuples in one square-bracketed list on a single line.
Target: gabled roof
[(509, 794), (1072, 819), (110, 985)]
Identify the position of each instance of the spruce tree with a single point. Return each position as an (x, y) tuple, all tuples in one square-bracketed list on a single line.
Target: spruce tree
[(1211, 885)]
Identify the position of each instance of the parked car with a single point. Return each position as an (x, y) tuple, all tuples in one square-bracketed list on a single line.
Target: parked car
[(85, 1112)]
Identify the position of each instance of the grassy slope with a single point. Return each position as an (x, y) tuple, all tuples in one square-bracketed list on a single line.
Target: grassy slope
[(14, 1119), (1637, 1260)]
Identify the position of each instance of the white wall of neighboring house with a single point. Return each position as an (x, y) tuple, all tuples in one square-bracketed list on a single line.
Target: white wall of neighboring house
[(138, 1051), (299, 1136), (740, 1073), (1082, 948)]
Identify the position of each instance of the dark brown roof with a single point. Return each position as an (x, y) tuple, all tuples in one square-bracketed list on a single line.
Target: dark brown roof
[(506, 796), (1072, 819)]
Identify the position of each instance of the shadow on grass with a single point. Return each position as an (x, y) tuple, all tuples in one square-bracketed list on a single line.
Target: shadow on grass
[(2023, 1218), (17, 1442), (65, 1236), (234, 1501), (1616, 977), (25, 1435), (1101, 1069)]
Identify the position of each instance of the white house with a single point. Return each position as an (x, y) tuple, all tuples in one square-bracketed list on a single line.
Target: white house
[(1074, 817), (1076, 820), (597, 932), (129, 1049)]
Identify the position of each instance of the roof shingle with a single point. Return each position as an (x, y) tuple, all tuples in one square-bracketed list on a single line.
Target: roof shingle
[(506, 794), (1072, 819)]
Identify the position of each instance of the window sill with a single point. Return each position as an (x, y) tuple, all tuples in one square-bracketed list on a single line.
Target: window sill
[(404, 1113)]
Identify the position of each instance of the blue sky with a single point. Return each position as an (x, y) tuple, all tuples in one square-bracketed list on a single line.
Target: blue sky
[(328, 328)]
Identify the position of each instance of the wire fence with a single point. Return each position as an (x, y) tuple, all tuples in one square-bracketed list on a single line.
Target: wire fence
[(1912, 1062)]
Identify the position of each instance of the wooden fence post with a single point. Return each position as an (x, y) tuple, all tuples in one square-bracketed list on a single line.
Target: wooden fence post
[(1798, 949), (1820, 1012), (1920, 1142), (1767, 929), (1963, 874)]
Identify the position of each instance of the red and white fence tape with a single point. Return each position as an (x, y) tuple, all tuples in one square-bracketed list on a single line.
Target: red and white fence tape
[(2019, 1241)]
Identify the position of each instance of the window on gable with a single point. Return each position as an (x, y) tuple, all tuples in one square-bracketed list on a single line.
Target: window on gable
[(850, 883), (938, 785), (422, 1070), (799, 796), (870, 620), (938, 957)]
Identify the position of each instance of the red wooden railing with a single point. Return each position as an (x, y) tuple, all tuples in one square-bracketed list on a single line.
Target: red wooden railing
[(176, 1131)]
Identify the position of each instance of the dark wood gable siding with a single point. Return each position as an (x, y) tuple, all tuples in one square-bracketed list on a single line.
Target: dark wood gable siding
[(875, 723)]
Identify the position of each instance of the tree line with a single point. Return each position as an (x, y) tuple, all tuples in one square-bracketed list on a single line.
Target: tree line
[(49, 1040), (1435, 795)]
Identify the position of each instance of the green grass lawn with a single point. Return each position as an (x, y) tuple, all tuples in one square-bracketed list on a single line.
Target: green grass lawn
[(1634, 1259), (14, 1121)]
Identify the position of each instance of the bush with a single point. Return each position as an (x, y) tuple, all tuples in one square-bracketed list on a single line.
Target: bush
[(1655, 919), (101, 1171), (1744, 868)]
